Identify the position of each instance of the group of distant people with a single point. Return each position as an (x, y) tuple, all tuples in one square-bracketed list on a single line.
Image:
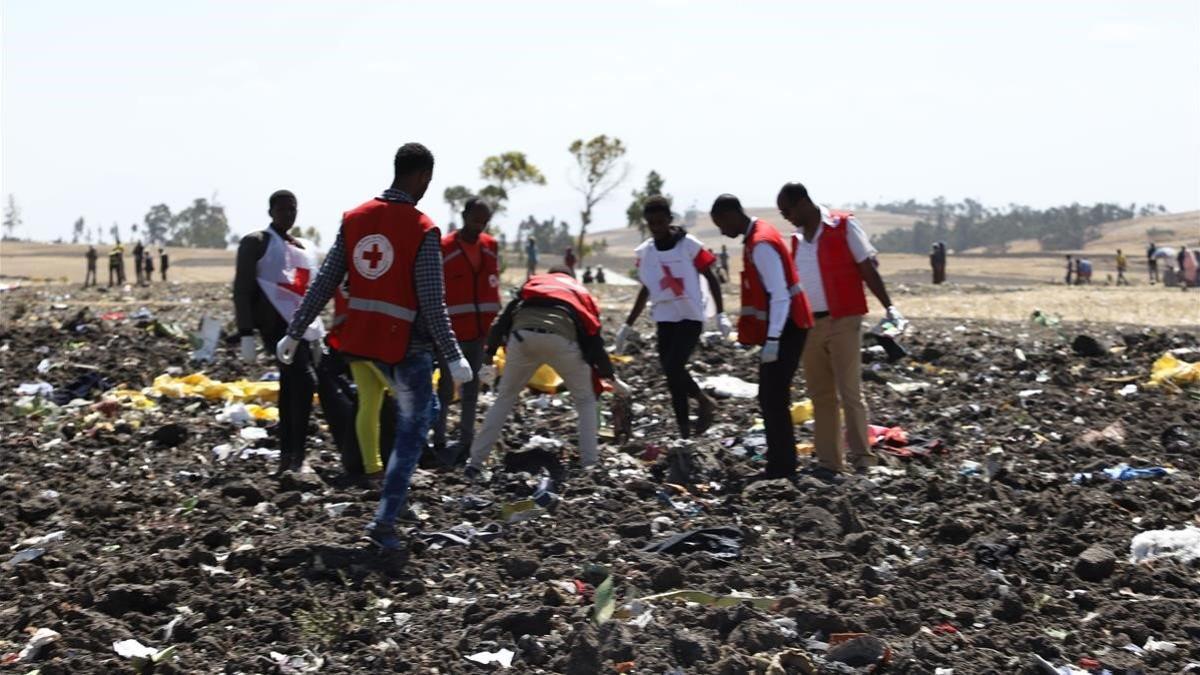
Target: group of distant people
[(1182, 267), (143, 265)]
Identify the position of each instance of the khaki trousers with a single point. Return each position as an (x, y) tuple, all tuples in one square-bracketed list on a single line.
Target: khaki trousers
[(833, 375), (525, 352)]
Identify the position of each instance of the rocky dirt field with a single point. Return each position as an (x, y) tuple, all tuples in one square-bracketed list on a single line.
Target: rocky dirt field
[(974, 549)]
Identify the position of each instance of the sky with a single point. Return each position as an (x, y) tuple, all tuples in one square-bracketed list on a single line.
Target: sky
[(107, 108)]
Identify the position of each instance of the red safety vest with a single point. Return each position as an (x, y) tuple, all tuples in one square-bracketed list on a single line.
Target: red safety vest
[(472, 295), (381, 240), (564, 289), (753, 320), (840, 278)]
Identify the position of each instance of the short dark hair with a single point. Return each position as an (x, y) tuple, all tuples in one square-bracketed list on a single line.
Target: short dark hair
[(657, 204), (472, 202), (794, 192), (726, 203), (560, 269), (278, 195), (411, 158)]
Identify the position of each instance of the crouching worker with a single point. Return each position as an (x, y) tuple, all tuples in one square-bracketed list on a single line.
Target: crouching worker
[(553, 321), (395, 318)]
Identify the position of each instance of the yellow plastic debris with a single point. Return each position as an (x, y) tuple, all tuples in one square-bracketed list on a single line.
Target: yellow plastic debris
[(802, 411), (200, 385), (1174, 373), (268, 414), (620, 358), (544, 379), (132, 398)]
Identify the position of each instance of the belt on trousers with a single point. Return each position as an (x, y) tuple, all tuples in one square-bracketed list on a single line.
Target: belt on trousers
[(820, 315), (517, 332)]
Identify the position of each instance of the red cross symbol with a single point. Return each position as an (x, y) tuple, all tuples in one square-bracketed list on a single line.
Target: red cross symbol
[(373, 256), (299, 283), (671, 283)]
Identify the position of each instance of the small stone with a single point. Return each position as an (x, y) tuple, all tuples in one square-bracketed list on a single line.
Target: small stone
[(634, 530), (519, 568), (301, 482), (666, 577), (859, 543), (1095, 564), (1087, 345)]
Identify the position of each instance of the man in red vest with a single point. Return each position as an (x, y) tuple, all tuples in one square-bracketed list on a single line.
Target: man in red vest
[(553, 321), (390, 255), (834, 259), (775, 315), (471, 262)]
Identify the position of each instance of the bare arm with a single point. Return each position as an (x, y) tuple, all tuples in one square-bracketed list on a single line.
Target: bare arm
[(874, 282), (638, 305)]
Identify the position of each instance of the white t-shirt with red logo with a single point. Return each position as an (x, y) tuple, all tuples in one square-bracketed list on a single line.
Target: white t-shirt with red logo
[(672, 277)]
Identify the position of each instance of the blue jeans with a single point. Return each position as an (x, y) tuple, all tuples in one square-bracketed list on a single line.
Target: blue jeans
[(411, 382)]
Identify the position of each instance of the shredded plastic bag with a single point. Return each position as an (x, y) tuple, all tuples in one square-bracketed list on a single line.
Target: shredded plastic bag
[(1183, 544), (201, 386), (1173, 373)]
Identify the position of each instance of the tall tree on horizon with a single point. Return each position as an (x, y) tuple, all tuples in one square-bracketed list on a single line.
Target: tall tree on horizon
[(12, 216), (600, 170), (505, 172), (653, 188)]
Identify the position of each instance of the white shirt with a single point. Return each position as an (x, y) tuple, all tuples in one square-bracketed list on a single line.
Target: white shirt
[(808, 267), (672, 278), (770, 271)]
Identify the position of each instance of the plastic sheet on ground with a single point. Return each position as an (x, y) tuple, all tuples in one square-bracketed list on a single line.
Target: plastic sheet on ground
[(727, 386), (802, 411), (719, 542), (240, 414), (1154, 544), (199, 385), (699, 597), (1173, 373), (460, 535), (502, 657), (39, 388)]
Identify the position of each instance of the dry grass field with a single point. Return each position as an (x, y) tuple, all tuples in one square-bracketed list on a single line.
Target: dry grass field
[(1002, 287)]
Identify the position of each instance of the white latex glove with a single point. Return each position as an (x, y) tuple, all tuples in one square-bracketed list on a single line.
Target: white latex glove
[(620, 387), (770, 351), (487, 375), (285, 350), (461, 371), (249, 348), (622, 335), (724, 325)]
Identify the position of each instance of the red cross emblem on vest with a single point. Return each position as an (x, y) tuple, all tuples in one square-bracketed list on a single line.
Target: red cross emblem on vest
[(373, 256), (670, 282)]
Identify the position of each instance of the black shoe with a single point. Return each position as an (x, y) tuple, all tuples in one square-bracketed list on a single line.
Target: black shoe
[(472, 474), (384, 536)]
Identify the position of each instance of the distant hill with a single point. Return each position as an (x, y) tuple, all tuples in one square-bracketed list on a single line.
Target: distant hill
[(1130, 235)]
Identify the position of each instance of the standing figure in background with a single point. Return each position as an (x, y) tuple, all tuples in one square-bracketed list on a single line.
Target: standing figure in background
[(116, 265), (937, 260), (139, 259), (724, 258), (164, 261), (569, 259), (1152, 262), (1070, 270), (531, 257), (472, 268), (90, 277), (1122, 265), (148, 267)]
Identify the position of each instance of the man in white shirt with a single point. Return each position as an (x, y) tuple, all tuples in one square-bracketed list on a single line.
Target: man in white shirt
[(775, 315), (834, 259)]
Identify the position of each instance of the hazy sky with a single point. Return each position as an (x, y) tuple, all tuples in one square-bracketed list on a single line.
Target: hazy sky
[(109, 107)]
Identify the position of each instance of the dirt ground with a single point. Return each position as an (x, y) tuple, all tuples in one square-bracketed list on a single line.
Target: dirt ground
[(981, 556)]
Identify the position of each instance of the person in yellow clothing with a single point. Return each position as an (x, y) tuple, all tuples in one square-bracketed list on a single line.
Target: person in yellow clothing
[(372, 389), (1122, 265)]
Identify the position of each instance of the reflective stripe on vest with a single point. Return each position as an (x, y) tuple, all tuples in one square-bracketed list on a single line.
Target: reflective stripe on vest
[(471, 309), (452, 256), (750, 311), (381, 307)]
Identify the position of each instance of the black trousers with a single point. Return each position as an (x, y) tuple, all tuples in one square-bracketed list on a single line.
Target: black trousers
[(775, 401), (676, 342), (297, 382)]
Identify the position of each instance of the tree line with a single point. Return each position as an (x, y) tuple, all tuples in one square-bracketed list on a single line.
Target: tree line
[(969, 224)]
